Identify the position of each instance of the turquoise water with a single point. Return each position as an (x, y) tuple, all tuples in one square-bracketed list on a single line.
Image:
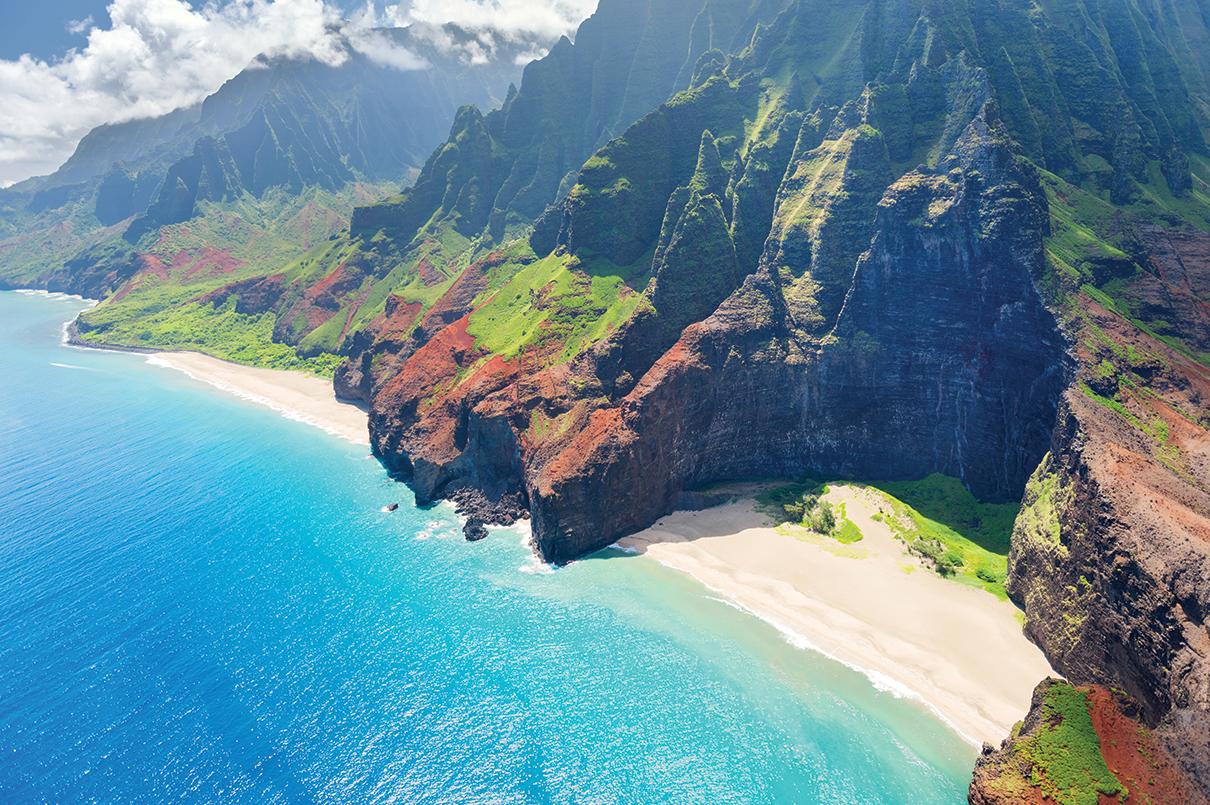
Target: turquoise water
[(201, 600)]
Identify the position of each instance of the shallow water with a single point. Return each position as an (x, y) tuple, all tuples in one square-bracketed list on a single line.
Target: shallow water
[(200, 599)]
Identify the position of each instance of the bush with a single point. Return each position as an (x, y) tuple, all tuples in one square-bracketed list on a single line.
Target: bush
[(822, 519), (799, 511)]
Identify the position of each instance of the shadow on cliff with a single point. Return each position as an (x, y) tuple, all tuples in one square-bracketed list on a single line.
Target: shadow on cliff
[(702, 516)]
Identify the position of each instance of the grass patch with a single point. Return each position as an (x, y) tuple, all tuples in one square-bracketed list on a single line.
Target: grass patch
[(801, 504), (217, 331), (1065, 752), (847, 532), (554, 304), (936, 517), (944, 524), (1111, 405)]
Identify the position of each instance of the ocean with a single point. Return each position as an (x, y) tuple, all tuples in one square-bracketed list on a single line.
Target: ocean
[(201, 600)]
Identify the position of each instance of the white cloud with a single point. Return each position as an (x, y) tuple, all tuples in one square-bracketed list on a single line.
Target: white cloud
[(160, 55), (79, 26), (156, 56), (380, 48), (517, 19), (488, 21)]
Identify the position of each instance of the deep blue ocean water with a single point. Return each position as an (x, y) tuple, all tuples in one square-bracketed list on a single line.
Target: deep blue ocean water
[(201, 600)]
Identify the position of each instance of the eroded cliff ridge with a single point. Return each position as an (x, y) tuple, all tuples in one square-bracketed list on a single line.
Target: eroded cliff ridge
[(1079, 745), (881, 240)]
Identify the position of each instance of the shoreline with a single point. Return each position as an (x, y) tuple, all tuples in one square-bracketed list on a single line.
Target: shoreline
[(295, 395), (958, 651), (733, 552)]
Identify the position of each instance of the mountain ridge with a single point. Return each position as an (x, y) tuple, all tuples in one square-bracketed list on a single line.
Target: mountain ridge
[(281, 123)]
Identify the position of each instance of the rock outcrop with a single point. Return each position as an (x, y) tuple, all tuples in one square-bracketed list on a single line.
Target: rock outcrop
[(1079, 745), (1111, 554), (747, 393), (757, 279), (871, 238)]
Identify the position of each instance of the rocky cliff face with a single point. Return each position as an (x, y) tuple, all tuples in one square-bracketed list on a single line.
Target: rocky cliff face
[(1111, 555), (929, 240), (497, 173), (879, 238), (749, 393), (1079, 745), (879, 300)]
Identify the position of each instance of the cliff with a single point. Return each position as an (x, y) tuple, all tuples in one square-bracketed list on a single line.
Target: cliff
[(909, 246), (1079, 745), (878, 239)]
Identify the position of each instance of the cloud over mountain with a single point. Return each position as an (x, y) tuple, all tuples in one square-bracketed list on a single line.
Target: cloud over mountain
[(159, 55)]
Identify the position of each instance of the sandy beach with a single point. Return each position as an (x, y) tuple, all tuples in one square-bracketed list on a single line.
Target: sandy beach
[(870, 605), (295, 395), (960, 651)]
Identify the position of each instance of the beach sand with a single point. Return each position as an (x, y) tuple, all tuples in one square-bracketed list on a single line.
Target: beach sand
[(960, 651), (296, 395), (870, 605)]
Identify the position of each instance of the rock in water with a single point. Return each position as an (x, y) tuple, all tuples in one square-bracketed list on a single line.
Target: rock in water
[(474, 530)]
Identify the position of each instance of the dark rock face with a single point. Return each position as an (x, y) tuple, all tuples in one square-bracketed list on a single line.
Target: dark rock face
[(811, 303), (1111, 561), (502, 170), (805, 309), (96, 272), (943, 358), (498, 172)]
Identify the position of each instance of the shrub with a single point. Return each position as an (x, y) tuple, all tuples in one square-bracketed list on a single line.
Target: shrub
[(822, 519)]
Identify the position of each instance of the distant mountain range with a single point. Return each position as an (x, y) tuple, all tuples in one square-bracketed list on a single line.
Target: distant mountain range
[(282, 127)]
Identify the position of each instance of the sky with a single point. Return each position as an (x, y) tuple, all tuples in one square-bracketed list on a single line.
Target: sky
[(67, 66)]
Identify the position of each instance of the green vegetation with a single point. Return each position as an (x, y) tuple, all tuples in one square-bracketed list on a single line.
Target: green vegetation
[(1087, 247), (802, 504), (785, 503), (847, 531), (1111, 405), (1045, 499), (217, 331), (944, 524), (1064, 753), (555, 305), (936, 517), (227, 242)]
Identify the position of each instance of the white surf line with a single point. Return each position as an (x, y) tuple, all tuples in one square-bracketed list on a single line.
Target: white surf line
[(878, 679), (57, 295), (252, 397)]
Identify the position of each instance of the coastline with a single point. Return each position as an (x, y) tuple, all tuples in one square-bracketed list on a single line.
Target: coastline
[(957, 650), (962, 655), (266, 554), (295, 395)]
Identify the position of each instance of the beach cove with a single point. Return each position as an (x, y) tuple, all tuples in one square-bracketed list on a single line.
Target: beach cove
[(958, 651), (204, 596)]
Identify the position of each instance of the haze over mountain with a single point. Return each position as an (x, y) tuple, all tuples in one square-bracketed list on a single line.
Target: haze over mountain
[(292, 142), (134, 59)]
